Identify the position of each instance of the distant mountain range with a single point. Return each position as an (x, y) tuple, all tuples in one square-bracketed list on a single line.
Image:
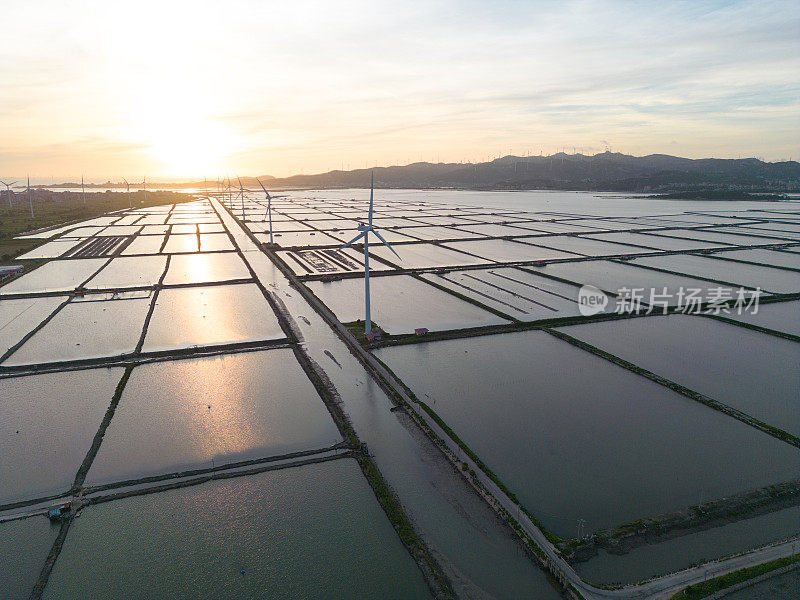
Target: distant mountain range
[(609, 171)]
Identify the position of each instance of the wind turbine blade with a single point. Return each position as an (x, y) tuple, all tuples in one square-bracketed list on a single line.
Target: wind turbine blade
[(371, 193), (385, 243), (263, 188), (355, 239)]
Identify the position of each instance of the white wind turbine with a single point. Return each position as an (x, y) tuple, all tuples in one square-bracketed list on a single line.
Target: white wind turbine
[(30, 196), (8, 190), (130, 203), (269, 208), (365, 229)]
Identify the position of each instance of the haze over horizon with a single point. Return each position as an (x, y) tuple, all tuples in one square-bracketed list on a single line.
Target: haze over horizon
[(183, 90)]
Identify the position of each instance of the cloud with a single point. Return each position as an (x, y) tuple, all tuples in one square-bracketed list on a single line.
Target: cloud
[(357, 80)]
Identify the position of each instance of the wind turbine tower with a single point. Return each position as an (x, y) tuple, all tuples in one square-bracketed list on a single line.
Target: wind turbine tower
[(8, 191), (241, 193), (30, 197), (365, 229), (269, 210), (130, 202)]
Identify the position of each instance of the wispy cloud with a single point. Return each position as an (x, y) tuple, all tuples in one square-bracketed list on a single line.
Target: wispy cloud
[(278, 87)]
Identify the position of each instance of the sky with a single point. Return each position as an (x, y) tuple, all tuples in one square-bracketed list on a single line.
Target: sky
[(201, 89)]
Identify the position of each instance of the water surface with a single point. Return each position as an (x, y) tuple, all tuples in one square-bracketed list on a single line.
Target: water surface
[(313, 531), (576, 437)]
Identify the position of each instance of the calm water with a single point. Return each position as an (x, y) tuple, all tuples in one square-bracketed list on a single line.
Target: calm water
[(575, 436), (55, 276), (768, 279), (613, 276), (199, 413), (18, 317), (203, 268), (86, 330), (588, 203), (307, 532), (707, 356), (680, 553), (186, 317), (401, 304), (47, 424), (513, 291), (24, 546), (780, 316)]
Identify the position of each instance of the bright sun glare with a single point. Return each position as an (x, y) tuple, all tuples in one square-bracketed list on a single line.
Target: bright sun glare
[(180, 134), (187, 148)]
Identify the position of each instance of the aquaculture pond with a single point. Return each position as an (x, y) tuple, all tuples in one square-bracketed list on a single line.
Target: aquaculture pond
[(129, 271), (401, 304), (185, 317), (414, 256), (50, 249), (199, 413), (507, 251), (773, 258), (512, 291), (439, 233), (588, 247), (780, 316), (86, 329), (144, 244), (732, 239), (651, 241), (19, 317), (769, 279), (56, 275), (47, 423), (679, 553), (205, 268), (576, 437), (313, 531), (754, 372), (612, 277), (24, 546)]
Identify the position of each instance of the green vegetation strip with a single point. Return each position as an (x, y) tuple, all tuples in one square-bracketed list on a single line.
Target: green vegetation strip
[(706, 588), (688, 520), (62, 208)]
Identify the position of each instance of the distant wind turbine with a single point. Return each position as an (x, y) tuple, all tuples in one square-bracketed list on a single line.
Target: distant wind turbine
[(8, 190), (83, 190), (269, 208), (30, 197), (366, 229), (130, 203), (241, 191)]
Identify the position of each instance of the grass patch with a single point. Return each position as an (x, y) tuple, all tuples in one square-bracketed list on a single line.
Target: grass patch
[(356, 329), (706, 588)]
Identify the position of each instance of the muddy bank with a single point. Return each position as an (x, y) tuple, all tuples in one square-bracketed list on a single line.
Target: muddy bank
[(688, 520)]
